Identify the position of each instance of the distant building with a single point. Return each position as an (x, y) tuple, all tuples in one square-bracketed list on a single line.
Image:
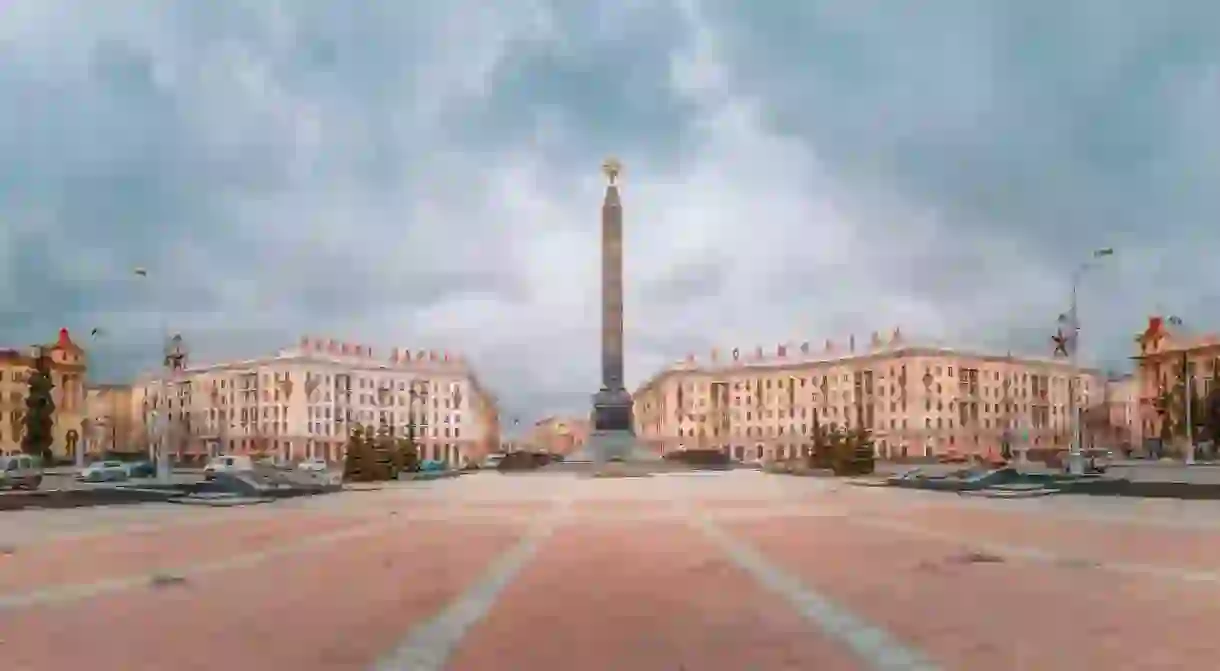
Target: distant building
[(558, 435), (918, 400), (69, 366), (1167, 356), (114, 421), (1119, 411), (304, 401)]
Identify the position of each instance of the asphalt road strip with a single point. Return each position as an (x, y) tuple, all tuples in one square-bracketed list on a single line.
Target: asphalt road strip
[(873, 645), (430, 646)]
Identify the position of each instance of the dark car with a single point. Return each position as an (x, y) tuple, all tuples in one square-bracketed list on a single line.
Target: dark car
[(141, 469)]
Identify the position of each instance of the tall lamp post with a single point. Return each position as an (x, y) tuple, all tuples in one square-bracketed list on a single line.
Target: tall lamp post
[(160, 452), (416, 391), (175, 365), (1188, 399), (1075, 406)]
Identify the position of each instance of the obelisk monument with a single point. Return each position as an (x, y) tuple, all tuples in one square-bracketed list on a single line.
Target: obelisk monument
[(613, 435)]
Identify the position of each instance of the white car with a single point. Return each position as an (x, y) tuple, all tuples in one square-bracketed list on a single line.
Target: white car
[(227, 464), (103, 471), (314, 465), (20, 471)]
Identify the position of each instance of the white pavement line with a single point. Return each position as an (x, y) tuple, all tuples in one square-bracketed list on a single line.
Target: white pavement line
[(1046, 557), (1067, 509), (872, 644), (429, 646), (186, 517), (67, 593), (37, 537)]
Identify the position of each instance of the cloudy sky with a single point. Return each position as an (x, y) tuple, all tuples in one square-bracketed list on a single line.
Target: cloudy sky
[(425, 174)]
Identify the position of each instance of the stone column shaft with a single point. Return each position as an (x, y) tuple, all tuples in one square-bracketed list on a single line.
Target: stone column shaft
[(612, 290)]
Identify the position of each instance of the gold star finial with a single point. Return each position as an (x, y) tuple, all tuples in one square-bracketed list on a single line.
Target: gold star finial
[(611, 168)]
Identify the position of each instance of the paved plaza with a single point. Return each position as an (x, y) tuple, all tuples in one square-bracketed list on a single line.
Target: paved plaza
[(731, 571)]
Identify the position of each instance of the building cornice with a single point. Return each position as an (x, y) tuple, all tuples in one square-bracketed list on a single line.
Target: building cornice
[(249, 366), (780, 364)]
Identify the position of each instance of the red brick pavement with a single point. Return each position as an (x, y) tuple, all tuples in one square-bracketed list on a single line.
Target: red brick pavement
[(615, 594), (332, 608), (622, 507), (996, 616), (139, 552), (641, 596), (1114, 541)]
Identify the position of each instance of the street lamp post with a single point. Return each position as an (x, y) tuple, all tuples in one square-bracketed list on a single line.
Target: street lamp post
[(171, 367), (1188, 399), (1076, 452), (82, 445), (417, 390), (1189, 393)]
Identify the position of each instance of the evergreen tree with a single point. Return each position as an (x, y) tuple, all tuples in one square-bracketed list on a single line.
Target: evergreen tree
[(815, 441), (1211, 410), (382, 450), (405, 457), (357, 460), (39, 410)]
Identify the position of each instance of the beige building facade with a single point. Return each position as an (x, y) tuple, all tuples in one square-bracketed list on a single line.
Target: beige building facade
[(304, 401), (113, 420), (558, 435), (69, 368), (1166, 356), (917, 400), (1122, 427)]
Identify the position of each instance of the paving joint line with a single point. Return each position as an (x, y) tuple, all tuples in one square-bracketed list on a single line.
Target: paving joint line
[(210, 517), (873, 645), (1039, 556), (59, 594), (430, 646)]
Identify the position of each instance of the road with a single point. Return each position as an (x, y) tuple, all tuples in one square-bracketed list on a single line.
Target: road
[(56, 481), (738, 570), (1130, 469)]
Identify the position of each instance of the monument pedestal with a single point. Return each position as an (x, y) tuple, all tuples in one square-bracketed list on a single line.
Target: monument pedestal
[(606, 446), (612, 439), (612, 411)]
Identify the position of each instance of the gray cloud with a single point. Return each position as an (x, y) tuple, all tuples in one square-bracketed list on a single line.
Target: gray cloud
[(426, 175)]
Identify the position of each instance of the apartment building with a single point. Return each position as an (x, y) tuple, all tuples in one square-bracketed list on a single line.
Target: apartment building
[(558, 435), (918, 400), (304, 401), (113, 420), (1121, 426), (69, 368), (1167, 356)]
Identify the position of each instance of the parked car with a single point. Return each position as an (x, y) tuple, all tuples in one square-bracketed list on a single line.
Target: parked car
[(103, 471), (20, 471), (492, 460), (314, 465), (141, 469), (1098, 460), (432, 465), (227, 463)]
